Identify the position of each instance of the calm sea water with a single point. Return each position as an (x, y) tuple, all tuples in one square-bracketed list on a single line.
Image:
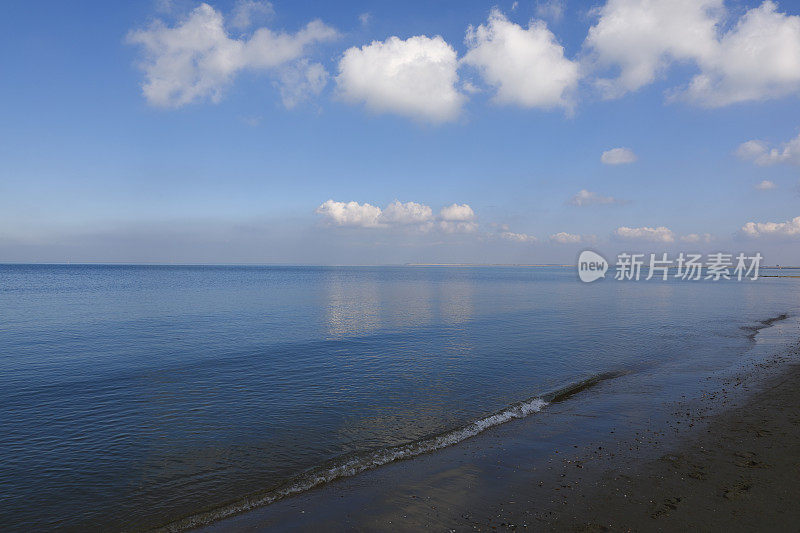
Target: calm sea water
[(134, 396)]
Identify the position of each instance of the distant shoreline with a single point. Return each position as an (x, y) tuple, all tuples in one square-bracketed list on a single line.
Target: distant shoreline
[(485, 265), (298, 265)]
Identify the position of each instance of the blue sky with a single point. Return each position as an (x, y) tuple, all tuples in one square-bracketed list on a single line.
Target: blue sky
[(228, 168)]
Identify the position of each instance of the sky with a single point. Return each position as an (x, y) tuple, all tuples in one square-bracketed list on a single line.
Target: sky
[(354, 132)]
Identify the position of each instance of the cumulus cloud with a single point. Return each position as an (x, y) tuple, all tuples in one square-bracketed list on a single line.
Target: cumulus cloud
[(759, 58), (642, 37), (756, 151), (407, 213), (527, 67), (756, 59), (457, 213), (416, 77), (196, 59), (789, 229), (572, 238), (618, 156), (350, 214), (457, 218), (760, 153), (584, 198), (645, 234), (766, 185), (452, 219)]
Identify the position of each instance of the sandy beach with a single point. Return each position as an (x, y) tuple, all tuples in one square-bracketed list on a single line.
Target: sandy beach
[(726, 457), (742, 473)]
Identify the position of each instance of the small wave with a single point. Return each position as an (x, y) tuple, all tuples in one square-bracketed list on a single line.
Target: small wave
[(768, 322), (763, 324), (567, 392), (355, 464)]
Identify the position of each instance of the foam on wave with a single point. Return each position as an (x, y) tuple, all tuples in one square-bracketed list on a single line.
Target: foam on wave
[(351, 465)]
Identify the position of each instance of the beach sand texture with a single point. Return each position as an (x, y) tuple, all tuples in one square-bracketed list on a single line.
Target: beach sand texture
[(741, 474)]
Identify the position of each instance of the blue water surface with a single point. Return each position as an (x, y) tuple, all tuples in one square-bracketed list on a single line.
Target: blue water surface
[(133, 396)]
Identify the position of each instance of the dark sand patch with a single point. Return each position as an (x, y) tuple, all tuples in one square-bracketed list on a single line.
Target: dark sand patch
[(741, 474)]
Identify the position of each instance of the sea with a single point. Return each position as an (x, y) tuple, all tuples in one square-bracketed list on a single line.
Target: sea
[(135, 397)]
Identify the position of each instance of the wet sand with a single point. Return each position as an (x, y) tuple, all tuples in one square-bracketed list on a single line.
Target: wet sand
[(741, 474), (726, 457)]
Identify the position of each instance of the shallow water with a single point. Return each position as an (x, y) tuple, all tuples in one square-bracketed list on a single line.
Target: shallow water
[(134, 396)]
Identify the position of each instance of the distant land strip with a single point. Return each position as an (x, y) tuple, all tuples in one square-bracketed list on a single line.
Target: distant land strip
[(482, 265), (644, 266)]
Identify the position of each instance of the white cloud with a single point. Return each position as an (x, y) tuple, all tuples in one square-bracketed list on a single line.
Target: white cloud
[(301, 81), (448, 226), (766, 185), (469, 87), (457, 213), (457, 218), (761, 154), (756, 59), (517, 237), (697, 237), (527, 67), (754, 151), (452, 219), (788, 229), (571, 238), (197, 59), (245, 11), (350, 214), (759, 58), (642, 37), (407, 213), (416, 77), (584, 198), (645, 234), (618, 156), (550, 9), (365, 18)]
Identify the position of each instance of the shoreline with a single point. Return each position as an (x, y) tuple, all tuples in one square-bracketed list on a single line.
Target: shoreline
[(532, 474), (740, 474), (355, 464)]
